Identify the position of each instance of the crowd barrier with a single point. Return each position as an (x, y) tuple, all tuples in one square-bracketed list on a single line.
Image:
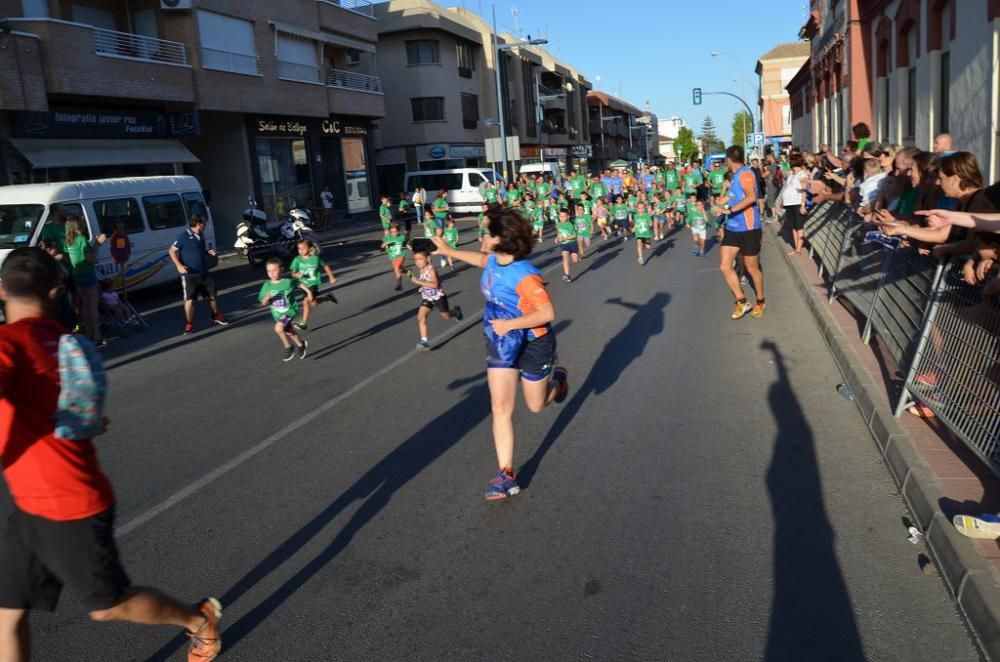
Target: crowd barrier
[(941, 333)]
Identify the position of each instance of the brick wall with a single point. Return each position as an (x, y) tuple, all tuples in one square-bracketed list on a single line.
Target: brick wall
[(22, 82)]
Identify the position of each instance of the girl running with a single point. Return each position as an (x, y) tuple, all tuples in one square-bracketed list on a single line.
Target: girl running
[(642, 224), (566, 238), (451, 237), (431, 293), (659, 216), (619, 212), (538, 219), (584, 229), (520, 343), (601, 214), (307, 268)]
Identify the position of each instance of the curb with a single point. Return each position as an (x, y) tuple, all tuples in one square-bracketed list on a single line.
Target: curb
[(976, 593)]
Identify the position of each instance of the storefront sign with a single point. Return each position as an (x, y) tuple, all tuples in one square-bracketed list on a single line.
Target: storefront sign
[(468, 151), (281, 127), (338, 127), (529, 151), (582, 151), (437, 152), (105, 124), (554, 151)]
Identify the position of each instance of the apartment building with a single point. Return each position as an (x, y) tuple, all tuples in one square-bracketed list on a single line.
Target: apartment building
[(668, 129), (439, 74), (268, 100), (910, 69), (775, 69), (619, 130)]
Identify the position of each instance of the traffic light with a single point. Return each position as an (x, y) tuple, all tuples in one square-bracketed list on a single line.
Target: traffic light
[(696, 96)]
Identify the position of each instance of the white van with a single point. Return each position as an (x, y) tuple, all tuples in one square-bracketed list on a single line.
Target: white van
[(464, 185), (152, 211), (550, 168)]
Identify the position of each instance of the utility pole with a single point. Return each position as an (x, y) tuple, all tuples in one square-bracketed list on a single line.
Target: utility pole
[(496, 69)]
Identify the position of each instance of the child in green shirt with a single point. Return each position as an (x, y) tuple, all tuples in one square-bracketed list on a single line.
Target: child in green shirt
[(642, 226), (306, 268), (277, 294), (566, 238), (450, 238)]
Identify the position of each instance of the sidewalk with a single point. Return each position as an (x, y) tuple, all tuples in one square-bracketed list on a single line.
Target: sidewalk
[(937, 475)]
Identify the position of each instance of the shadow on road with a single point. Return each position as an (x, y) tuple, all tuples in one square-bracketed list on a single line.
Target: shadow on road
[(375, 489), (627, 346), (811, 614)]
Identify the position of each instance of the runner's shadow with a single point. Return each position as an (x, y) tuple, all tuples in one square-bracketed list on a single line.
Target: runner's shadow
[(618, 354), (811, 614), (606, 256), (375, 489)]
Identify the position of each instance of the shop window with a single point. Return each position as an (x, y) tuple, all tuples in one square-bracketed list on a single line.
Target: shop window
[(470, 111), (356, 175), (227, 43), (284, 175), (422, 51), (120, 214), (427, 109), (466, 58)]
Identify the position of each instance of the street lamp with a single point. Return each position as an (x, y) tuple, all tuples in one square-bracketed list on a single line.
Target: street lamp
[(744, 80), (497, 48)]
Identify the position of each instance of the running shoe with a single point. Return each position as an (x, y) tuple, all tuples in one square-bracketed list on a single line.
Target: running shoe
[(458, 313), (423, 346), (331, 298), (502, 486), (188, 329), (567, 278), (300, 325), (639, 260), (985, 526), (740, 310), (289, 354), (206, 642), (399, 286), (302, 350), (561, 375), (758, 310), (444, 263), (220, 320)]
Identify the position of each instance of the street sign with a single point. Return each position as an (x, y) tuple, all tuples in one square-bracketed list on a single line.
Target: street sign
[(755, 140), (696, 96)]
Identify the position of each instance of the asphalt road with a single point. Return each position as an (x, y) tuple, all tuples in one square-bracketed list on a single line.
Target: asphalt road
[(704, 494)]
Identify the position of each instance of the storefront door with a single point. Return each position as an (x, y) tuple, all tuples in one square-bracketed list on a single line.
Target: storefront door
[(356, 175), (284, 175)]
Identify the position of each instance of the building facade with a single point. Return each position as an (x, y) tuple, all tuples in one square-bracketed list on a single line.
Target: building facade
[(440, 78), (619, 131), (775, 69), (910, 69), (256, 100), (668, 129)]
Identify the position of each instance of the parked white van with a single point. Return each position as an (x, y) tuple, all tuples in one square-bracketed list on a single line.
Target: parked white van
[(152, 211), (464, 185), (550, 168)]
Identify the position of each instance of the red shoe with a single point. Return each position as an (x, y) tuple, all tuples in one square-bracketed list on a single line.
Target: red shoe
[(188, 328), (220, 320), (206, 643)]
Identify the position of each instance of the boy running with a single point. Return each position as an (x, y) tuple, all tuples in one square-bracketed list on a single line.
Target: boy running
[(440, 209), (277, 293), (642, 224), (385, 214), (584, 229), (538, 219), (619, 212), (659, 216), (432, 295), (566, 238), (307, 268), (394, 245), (60, 533), (697, 220)]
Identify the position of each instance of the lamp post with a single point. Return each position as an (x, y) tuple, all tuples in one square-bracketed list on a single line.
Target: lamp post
[(739, 63), (497, 48)]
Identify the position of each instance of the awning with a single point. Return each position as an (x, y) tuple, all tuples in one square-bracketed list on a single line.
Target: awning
[(60, 153), (324, 37)]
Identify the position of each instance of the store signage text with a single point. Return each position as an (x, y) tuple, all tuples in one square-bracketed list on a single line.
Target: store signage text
[(103, 124), (336, 127), (284, 127)]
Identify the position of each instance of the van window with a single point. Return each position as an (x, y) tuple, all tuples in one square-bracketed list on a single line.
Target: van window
[(195, 204), (490, 175), (164, 211), (58, 213), (17, 223), (444, 180), (476, 179), (118, 213)]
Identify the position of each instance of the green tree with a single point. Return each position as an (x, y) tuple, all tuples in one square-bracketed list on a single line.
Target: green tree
[(684, 145), (742, 127), (709, 137)]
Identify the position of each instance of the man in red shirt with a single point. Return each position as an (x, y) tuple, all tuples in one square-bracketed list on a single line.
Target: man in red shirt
[(61, 530)]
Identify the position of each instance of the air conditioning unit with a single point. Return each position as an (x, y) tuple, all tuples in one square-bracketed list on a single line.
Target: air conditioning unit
[(175, 5)]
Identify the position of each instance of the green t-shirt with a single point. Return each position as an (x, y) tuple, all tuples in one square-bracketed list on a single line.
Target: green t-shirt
[(577, 185), (78, 253), (658, 178), (404, 205), (692, 180), (513, 196), (538, 218), (583, 224), (785, 166), (430, 229), (697, 219), (643, 226), (716, 178), (632, 201), (543, 189), (597, 190), (553, 213), (395, 247), (690, 207), (282, 303), (566, 232), (483, 222), (385, 215), (440, 208), (57, 233), (619, 212), (660, 207), (490, 195), (311, 269), (671, 180), (451, 236)]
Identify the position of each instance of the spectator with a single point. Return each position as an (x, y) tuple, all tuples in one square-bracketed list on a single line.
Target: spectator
[(326, 198), (758, 173), (773, 182), (194, 262), (862, 134), (942, 143), (419, 199), (793, 200), (869, 188), (82, 255)]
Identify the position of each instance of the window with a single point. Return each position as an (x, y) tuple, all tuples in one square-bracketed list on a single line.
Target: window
[(466, 58), (119, 214), (470, 111), (422, 51), (428, 109), (944, 92), (352, 58), (164, 211), (194, 204), (35, 8), (449, 181), (227, 43), (17, 224), (298, 59), (99, 18), (911, 102)]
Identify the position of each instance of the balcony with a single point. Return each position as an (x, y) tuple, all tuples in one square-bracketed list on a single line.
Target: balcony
[(349, 80), (82, 60), (351, 93), (360, 6)]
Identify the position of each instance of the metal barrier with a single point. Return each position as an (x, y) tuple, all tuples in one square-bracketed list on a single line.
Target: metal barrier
[(936, 328)]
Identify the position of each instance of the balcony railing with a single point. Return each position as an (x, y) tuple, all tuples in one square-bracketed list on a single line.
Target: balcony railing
[(138, 47), (359, 6), (304, 73), (237, 63), (350, 80)]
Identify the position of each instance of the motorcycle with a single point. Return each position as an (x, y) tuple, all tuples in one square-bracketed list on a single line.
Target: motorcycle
[(257, 242)]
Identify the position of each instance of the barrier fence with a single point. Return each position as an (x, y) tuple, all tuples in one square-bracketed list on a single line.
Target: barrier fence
[(942, 334)]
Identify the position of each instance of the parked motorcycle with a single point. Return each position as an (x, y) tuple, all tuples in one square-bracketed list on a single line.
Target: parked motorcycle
[(257, 242)]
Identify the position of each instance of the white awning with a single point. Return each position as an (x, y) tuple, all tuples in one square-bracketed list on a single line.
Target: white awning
[(324, 37), (60, 153)]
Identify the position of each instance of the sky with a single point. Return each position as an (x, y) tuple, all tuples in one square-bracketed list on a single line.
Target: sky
[(658, 50)]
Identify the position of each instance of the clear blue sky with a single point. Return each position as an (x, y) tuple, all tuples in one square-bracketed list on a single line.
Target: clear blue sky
[(658, 50)]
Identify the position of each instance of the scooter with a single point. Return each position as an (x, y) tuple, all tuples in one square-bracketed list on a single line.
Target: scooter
[(298, 226), (256, 242)]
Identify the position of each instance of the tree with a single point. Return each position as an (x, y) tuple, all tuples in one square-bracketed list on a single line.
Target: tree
[(742, 127), (685, 147), (709, 138)]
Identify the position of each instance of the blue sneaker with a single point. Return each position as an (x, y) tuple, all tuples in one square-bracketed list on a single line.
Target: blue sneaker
[(502, 486)]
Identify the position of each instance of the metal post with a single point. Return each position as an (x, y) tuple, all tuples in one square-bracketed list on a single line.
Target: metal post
[(600, 111), (905, 398), (496, 68)]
